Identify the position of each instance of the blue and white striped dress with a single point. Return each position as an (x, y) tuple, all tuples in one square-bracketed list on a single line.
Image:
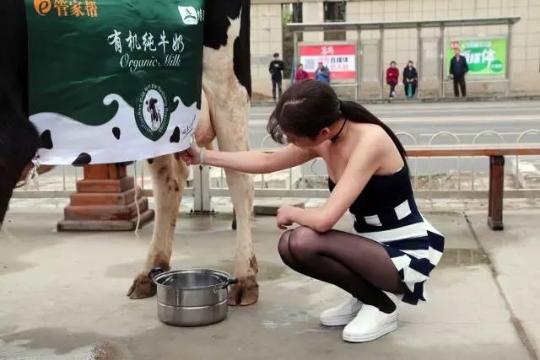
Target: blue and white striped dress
[(386, 212)]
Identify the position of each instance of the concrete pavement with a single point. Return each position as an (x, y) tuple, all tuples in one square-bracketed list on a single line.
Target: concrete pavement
[(63, 296)]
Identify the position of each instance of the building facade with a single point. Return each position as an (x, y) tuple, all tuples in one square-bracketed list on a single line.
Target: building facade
[(428, 47)]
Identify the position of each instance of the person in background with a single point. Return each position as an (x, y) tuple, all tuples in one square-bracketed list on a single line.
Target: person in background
[(458, 69), (392, 77), (410, 80), (322, 73), (276, 73), (301, 74)]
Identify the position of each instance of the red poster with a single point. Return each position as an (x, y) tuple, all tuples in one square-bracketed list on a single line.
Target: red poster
[(339, 58)]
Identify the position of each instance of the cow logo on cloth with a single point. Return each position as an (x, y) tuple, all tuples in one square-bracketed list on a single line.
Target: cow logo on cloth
[(152, 112)]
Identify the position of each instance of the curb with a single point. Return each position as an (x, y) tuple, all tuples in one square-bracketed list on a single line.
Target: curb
[(261, 103)]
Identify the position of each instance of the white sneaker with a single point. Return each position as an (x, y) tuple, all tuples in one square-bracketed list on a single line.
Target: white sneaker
[(341, 314), (370, 324)]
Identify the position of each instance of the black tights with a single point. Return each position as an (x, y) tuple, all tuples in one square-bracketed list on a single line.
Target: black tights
[(358, 265)]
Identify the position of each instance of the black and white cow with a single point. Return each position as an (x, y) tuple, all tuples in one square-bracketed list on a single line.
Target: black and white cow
[(224, 114), (18, 137)]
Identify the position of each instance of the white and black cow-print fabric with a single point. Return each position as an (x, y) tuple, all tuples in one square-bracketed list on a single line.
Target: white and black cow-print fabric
[(65, 141)]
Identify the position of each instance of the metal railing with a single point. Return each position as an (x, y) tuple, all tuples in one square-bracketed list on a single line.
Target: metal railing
[(444, 178)]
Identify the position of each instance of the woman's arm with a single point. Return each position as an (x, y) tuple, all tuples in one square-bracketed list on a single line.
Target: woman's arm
[(363, 163), (253, 162)]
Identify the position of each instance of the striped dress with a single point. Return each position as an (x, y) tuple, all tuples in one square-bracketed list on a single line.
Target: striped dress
[(386, 212)]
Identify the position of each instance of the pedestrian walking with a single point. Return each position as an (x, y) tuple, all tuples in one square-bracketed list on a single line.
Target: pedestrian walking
[(458, 69), (276, 74)]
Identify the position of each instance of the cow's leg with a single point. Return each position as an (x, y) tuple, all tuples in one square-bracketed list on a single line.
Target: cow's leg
[(246, 292), (230, 124), (168, 179)]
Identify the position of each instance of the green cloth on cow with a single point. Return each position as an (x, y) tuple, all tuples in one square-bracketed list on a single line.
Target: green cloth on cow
[(118, 80)]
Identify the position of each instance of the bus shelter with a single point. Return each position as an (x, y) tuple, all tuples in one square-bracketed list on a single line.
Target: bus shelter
[(488, 54)]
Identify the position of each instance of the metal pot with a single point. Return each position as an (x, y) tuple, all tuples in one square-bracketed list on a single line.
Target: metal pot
[(192, 297)]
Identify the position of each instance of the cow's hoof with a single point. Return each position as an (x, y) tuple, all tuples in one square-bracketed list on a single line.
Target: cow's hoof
[(142, 287), (245, 292)]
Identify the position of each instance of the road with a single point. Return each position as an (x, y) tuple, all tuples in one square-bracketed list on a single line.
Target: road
[(422, 121)]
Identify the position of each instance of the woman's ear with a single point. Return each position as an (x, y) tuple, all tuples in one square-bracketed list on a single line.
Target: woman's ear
[(324, 133)]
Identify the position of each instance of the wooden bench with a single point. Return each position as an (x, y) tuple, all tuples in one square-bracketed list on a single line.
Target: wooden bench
[(496, 154)]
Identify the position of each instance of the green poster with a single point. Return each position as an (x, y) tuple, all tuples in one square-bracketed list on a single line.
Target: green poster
[(114, 80), (486, 57)]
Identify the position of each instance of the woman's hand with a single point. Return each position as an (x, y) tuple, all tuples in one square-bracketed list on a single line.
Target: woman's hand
[(284, 216), (191, 156)]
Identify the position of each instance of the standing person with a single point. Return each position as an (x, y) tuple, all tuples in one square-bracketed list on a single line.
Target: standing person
[(276, 68), (392, 78), (322, 73), (458, 69), (301, 74), (392, 247), (410, 80)]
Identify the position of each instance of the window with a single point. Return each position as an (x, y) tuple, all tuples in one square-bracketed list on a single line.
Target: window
[(295, 10), (290, 13), (334, 11)]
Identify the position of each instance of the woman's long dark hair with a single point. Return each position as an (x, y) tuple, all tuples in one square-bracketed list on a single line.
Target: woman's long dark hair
[(309, 106)]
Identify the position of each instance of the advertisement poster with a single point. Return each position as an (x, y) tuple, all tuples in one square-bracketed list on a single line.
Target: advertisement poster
[(486, 57), (339, 58)]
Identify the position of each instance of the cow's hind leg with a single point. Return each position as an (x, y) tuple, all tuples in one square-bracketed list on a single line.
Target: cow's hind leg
[(230, 125), (168, 180), (246, 292)]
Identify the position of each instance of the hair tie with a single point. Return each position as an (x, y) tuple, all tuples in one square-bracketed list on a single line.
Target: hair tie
[(341, 105)]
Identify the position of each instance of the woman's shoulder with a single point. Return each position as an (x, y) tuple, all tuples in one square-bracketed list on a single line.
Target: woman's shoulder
[(367, 133), (370, 142)]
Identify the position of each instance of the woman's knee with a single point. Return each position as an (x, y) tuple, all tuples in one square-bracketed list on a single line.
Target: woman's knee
[(303, 243), (283, 244)]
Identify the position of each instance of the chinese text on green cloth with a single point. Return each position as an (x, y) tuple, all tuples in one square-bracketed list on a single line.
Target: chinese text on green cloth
[(113, 81)]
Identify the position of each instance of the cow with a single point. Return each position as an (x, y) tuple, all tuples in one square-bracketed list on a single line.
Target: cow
[(155, 115), (225, 104)]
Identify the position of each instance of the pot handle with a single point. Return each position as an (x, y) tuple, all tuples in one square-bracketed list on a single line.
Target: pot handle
[(230, 281), (152, 274)]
